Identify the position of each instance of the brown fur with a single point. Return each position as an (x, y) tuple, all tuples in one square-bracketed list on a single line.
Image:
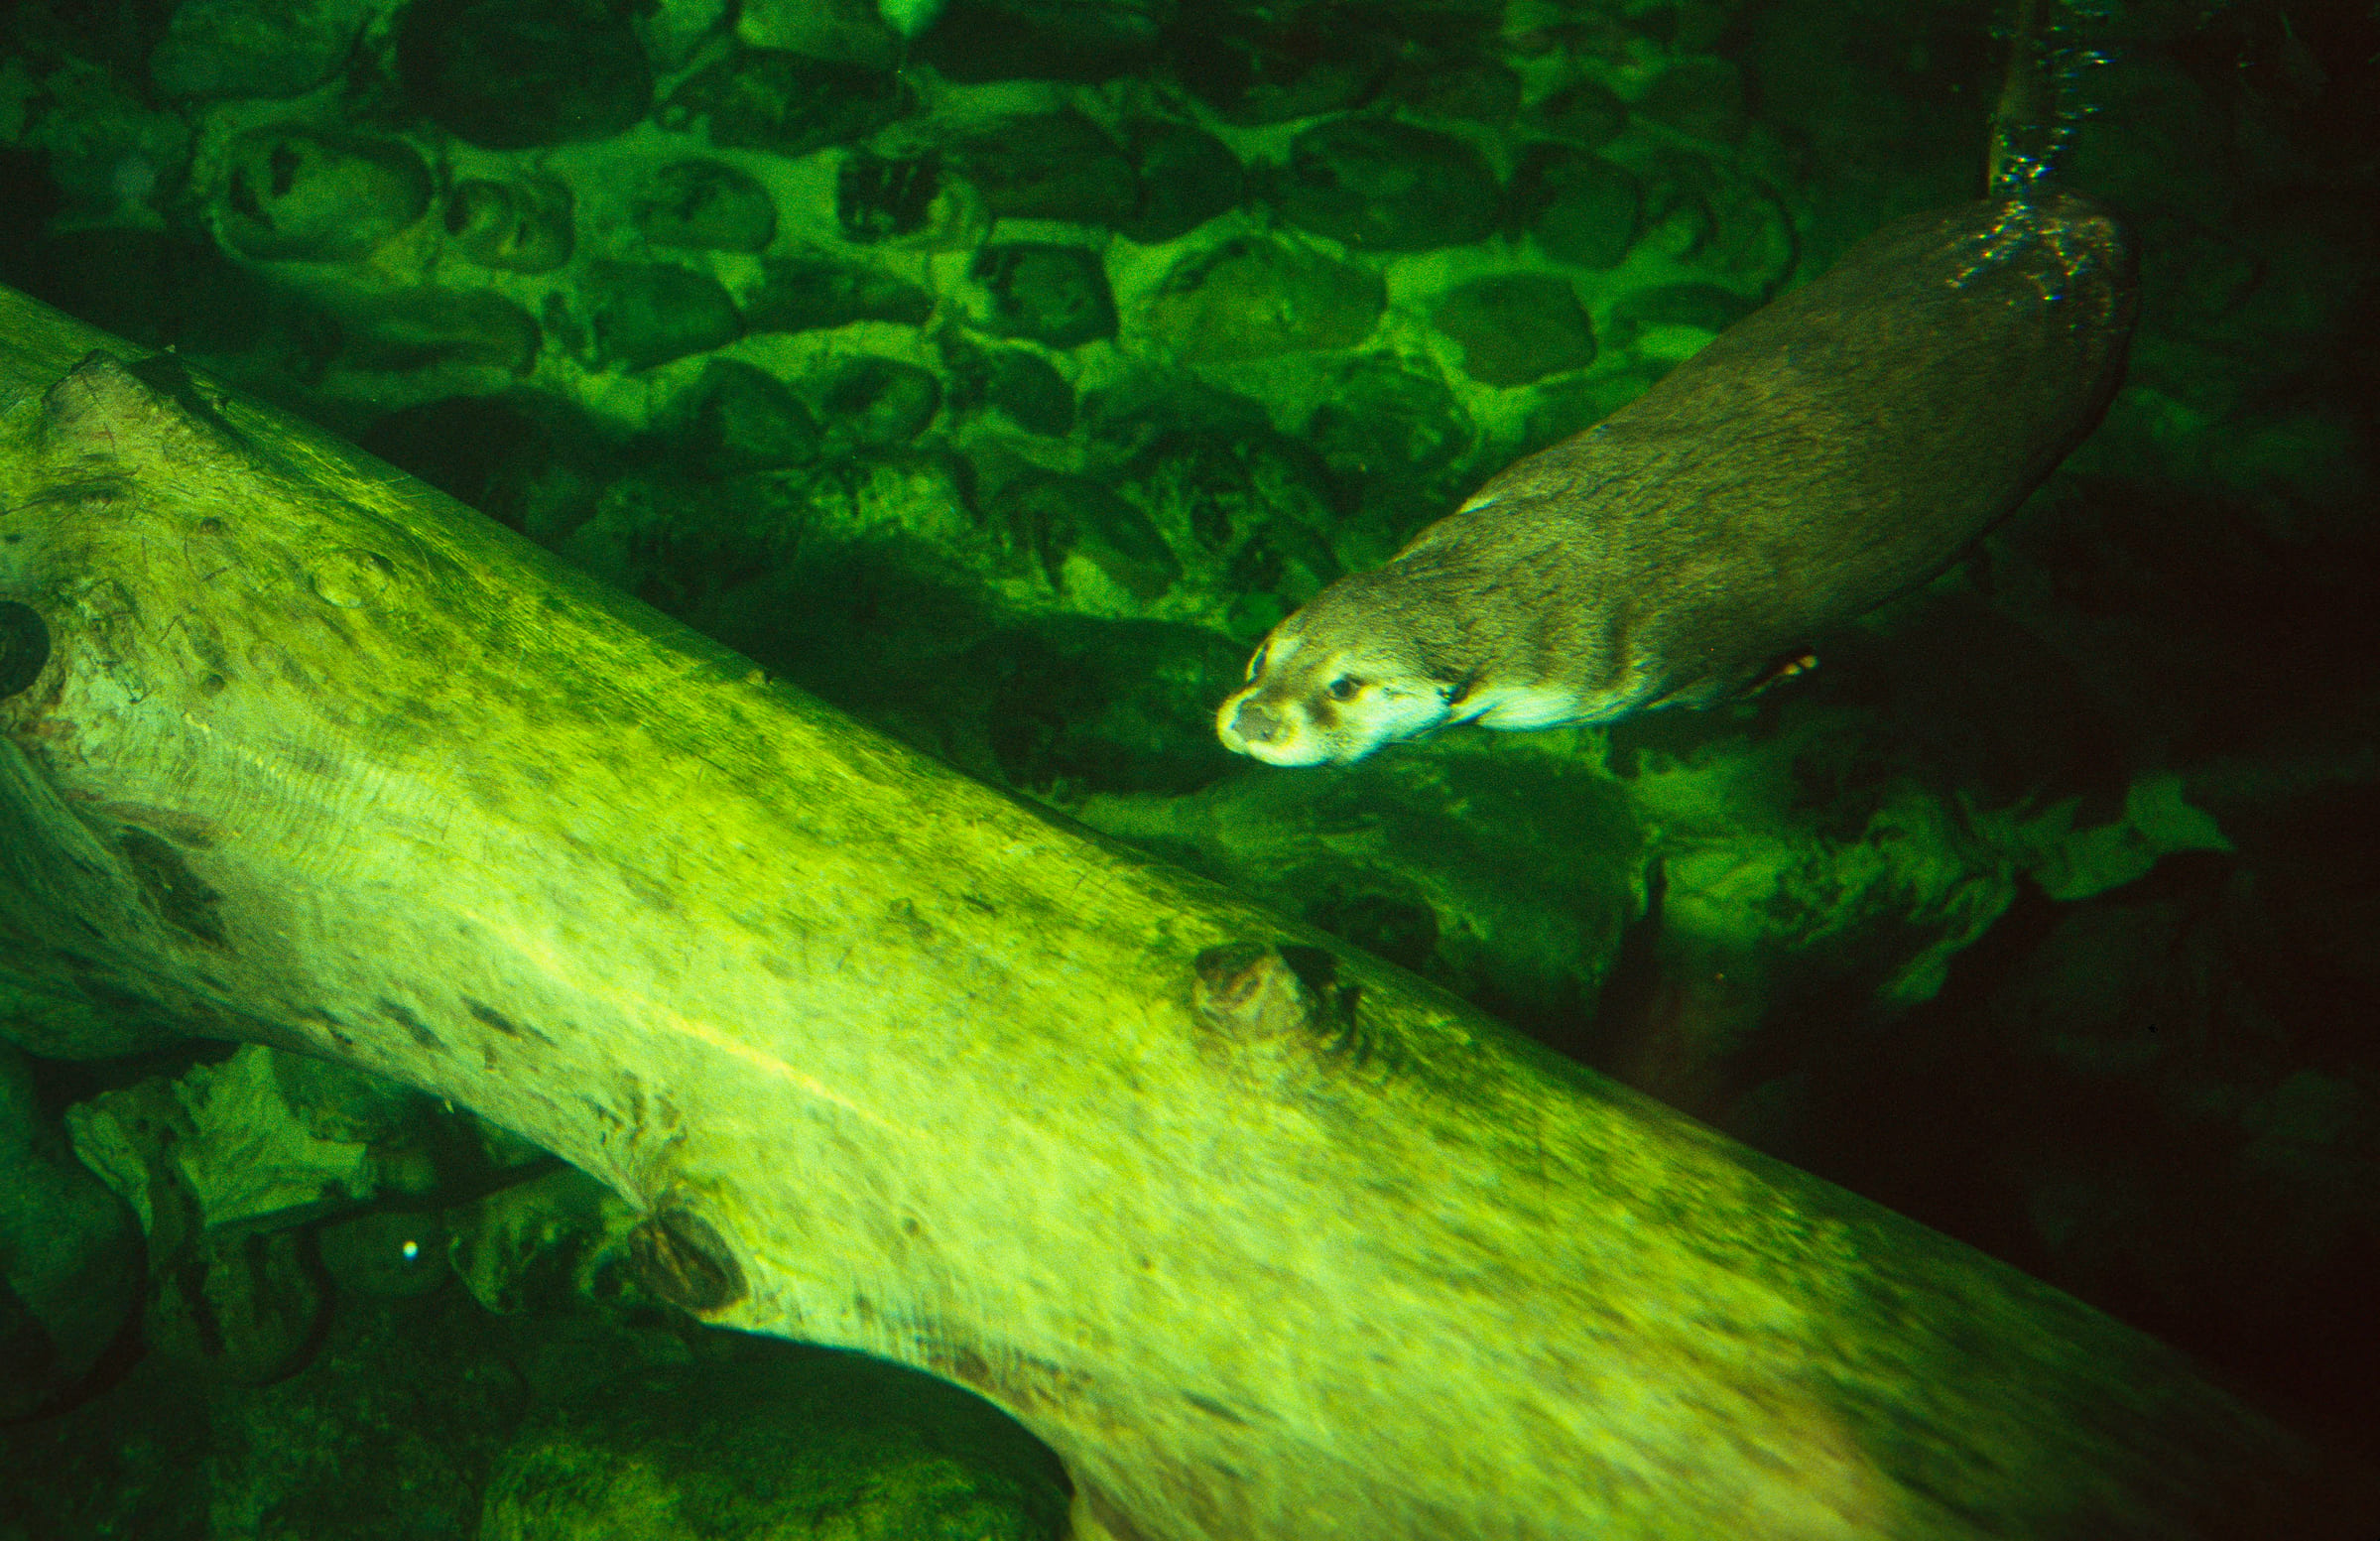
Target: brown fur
[(1830, 450)]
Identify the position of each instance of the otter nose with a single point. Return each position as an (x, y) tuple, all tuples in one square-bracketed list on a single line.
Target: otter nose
[(1256, 723)]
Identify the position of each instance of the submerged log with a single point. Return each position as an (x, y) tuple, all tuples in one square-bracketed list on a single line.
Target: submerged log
[(1268, 1239)]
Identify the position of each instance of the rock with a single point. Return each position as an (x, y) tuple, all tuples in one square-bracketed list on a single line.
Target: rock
[(1382, 186), (1702, 96), (1580, 208), (1705, 307), (705, 205), (1048, 166), (1252, 298), (244, 1308), (523, 227), (290, 195), (510, 74), (1051, 294), (673, 31), (1584, 111), (1263, 64), (778, 1441), (540, 1245), (1224, 487), (1565, 406), (224, 1140), (1517, 327), (811, 291), (864, 512), (1703, 210), (1057, 517), (1478, 90), (1016, 381), (1152, 405), (117, 159), (881, 197), (425, 329), (975, 41), (1383, 418), (70, 1253), (642, 313), (785, 103), (1029, 388), (737, 418), (1187, 177), (255, 48), (849, 32), (874, 403)]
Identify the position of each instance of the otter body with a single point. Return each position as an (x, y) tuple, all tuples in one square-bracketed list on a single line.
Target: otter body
[(1828, 452)]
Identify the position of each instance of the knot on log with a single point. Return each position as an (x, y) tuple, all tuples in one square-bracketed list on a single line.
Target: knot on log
[(1247, 992), (24, 647), (679, 1257), (1274, 1005)]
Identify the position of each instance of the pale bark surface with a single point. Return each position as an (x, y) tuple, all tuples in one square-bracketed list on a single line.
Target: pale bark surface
[(1269, 1248)]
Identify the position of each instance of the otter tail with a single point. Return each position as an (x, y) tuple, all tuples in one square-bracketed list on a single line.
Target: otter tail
[(2040, 100)]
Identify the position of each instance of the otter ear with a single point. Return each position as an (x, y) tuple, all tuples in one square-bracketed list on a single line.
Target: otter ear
[(1467, 700)]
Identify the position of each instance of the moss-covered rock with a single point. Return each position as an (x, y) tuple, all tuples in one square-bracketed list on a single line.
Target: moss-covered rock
[(509, 74), (812, 291), (881, 197), (876, 403), (1046, 166), (1054, 295), (1581, 209), (705, 205), (1255, 65), (800, 1445), (458, 336), (1379, 184), (238, 47), (738, 417), (1517, 327), (1187, 178), (642, 313), (522, 227), (1249, 297), (1587, 112), (1060, 518), (290, 195), (69, 1252), (975, 41), (1701, 95), (782, 102), (1016, 381)]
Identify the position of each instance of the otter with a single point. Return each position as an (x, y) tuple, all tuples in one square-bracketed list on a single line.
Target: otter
[(1835, 448)]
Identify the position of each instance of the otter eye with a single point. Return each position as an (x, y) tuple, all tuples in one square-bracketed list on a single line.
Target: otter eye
[(1346, 688)]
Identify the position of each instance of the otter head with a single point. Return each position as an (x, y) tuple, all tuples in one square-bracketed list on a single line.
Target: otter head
[(1332, 683)]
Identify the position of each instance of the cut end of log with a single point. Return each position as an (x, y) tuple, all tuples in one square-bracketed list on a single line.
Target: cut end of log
[(678, 1256)]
